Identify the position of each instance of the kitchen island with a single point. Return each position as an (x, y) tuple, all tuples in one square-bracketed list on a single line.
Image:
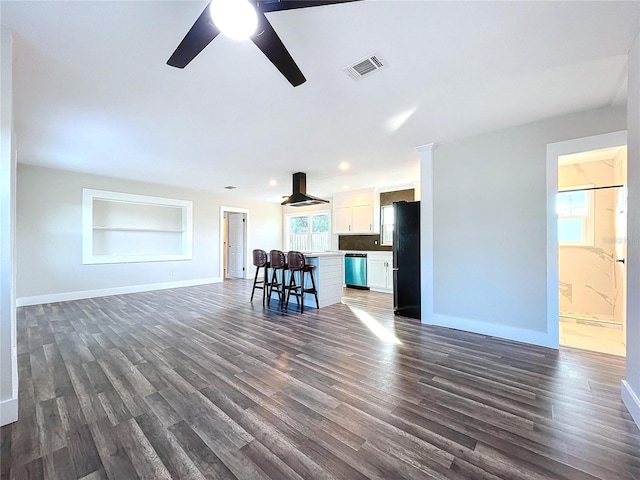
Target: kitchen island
[(329, 276)]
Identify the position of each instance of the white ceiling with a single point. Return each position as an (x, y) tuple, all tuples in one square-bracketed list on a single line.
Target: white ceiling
[(93, 92)]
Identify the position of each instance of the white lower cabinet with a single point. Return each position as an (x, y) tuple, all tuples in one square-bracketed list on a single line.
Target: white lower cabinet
[(380, 271)]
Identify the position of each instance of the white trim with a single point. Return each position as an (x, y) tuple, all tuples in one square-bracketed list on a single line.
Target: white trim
[(88, 227), (8, 165), (554, 150), (631, 401), (426, 232), (106, 292), (493, 329), (248, 260), (8, 411), (550, 338), (426, 270)]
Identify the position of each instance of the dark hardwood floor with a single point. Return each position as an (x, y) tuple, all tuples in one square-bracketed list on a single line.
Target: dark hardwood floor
[(199, 383)]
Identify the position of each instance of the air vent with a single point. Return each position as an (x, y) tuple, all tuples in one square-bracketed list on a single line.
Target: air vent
[(365, 66)]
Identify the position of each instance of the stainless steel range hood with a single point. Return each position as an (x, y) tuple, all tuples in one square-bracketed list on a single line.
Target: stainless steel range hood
[(299, 197)]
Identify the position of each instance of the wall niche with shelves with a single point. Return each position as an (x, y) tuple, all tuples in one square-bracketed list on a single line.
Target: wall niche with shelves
[(126, 228)]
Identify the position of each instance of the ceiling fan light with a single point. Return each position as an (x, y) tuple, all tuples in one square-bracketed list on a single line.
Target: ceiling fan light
[(236, 19)]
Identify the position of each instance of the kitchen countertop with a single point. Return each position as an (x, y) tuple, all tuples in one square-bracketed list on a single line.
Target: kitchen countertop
[(368, 252), (323, 254)]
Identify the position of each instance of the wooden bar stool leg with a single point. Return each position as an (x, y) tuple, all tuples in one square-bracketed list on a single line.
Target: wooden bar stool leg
[(296, 286), (281, 291), (255, 281), (302, 291), (265, 283), (291, 281), (274, 281)]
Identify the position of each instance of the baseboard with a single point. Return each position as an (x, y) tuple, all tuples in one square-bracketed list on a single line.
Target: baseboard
[(106, 292), (631, 401), (380, 290), (533, 337), (8, 411)]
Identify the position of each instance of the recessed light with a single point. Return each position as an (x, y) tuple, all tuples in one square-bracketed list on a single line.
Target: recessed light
[(273, 183), (344, 166), (230, 187), (345, 187)]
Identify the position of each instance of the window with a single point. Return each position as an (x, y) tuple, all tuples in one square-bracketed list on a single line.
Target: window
[(308, 233), (575, 221), (387, 221)]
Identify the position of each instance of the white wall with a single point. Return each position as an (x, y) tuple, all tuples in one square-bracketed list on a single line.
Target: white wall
[(49, 237), (8, 346), (489, 226), (631, 387)]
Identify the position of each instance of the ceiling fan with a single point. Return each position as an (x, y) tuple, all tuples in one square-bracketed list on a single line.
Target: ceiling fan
[(207, 27)]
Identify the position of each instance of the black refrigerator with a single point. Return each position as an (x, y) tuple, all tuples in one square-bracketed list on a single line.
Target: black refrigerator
[(406, 259)]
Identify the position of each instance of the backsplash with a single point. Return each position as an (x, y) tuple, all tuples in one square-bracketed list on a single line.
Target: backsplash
[(387, 198), (362, 242)]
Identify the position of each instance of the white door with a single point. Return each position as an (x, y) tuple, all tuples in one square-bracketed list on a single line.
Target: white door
[(235, 245)]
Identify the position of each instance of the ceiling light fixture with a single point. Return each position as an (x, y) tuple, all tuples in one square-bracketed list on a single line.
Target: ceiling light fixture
[(237, 19), (273, 183), (343, 166)]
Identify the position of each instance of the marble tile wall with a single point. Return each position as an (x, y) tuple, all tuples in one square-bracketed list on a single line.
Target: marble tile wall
[(589, 287)]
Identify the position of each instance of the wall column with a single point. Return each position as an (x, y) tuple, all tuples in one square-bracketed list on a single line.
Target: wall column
[(426, 231), (8, 339), (631, 386)]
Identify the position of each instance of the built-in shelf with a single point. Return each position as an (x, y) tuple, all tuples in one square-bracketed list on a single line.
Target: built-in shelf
[(126, 228), (130, 229)]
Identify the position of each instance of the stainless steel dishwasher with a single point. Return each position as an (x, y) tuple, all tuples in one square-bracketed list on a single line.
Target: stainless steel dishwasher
[(355, 270)]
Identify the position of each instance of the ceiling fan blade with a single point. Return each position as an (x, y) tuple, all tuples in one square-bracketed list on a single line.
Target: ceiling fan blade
[(268, 41), (277, 6), (199, 36)]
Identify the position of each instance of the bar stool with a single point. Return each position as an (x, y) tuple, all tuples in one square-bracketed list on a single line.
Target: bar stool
[(277, 263), (260, 260), (297, 264)]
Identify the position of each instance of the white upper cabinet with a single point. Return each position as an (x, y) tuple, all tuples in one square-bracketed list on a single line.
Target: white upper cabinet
[(342, 219), (354, 213)]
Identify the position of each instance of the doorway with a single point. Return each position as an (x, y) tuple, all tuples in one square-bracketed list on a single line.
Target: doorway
[(234, 224), (589, 238), (591, 208)]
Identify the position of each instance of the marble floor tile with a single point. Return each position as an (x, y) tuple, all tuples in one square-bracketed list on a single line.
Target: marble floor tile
[(592, 336)]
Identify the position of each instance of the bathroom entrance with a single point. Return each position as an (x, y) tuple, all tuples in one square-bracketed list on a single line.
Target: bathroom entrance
[(592, 218)]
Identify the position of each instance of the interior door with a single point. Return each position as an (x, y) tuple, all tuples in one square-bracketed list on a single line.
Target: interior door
[(235, 245)]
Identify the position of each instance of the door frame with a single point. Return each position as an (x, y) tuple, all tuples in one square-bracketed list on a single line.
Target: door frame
[(246, 261), (555, 150)]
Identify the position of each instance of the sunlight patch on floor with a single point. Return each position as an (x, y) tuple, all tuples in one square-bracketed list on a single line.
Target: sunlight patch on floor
[(375, 326)]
